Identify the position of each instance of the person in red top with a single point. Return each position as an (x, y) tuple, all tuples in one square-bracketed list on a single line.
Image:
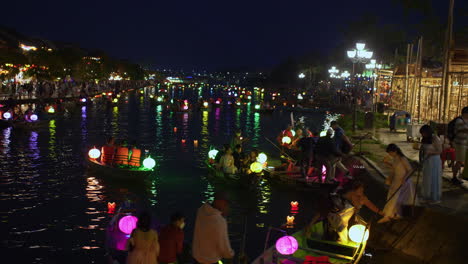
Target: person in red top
[(171, 239)]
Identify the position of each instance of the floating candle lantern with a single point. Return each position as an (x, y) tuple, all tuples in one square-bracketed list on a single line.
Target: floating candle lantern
[(290, 220), (110, 207), (175, 129), (195, 143), (294, 206)]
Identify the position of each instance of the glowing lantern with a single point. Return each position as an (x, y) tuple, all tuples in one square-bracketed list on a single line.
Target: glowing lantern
[(94, 153), (33, 117), (256, 167), (205, 104), (115, 100), (286, 140), (358, 233), (185, 107), (183, 141), (110, 207), (294, 206), (212, 153), (286, 245), (175, 129), (51, 110), (290, 220), (109, 94), (299, 97), (160, 99), (293, 133), (127, 224), (262, 158), (257, 107), (83, 100), (149, 163), (7, 115), (323, 133), (195, 143)]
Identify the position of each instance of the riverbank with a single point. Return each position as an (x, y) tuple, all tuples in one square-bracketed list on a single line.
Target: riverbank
[(428, 233)]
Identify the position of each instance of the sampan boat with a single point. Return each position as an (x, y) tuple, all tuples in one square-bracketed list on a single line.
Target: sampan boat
[(139, 173), (300, 248), (240, 180)]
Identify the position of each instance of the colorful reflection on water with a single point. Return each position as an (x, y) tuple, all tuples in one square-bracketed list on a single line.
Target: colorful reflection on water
[(54, 209)]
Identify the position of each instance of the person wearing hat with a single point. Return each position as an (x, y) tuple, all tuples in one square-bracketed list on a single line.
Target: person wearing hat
[(328, 154), (210, 239)]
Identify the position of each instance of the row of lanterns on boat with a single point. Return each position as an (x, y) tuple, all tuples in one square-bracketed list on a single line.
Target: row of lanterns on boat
[(255, 167), (148, 163)]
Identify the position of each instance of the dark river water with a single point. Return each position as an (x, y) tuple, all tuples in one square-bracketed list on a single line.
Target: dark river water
[(53, 210)]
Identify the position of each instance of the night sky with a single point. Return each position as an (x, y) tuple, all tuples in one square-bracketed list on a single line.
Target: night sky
[(194, 34)]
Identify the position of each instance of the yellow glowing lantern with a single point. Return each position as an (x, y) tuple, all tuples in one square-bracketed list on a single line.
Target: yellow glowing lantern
[(205, 104), (262, 158), (358, 233), (94, 153), (195, 142), (115, 100), (256, 167), (286, 140), (290, 220)]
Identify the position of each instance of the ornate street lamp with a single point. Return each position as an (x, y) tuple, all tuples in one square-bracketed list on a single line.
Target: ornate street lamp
[(358, 55), (301, 75), (333, 72)]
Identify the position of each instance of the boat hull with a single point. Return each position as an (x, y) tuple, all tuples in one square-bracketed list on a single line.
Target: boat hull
[(118, 173)]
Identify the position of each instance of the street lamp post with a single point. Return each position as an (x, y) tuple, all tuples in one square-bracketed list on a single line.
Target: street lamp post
[(374, 66), (358, 55)]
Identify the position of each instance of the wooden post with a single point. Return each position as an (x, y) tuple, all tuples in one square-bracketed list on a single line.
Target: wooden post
[(406, 75)]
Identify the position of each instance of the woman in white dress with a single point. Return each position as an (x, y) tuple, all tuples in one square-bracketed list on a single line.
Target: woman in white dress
[(401, 191)]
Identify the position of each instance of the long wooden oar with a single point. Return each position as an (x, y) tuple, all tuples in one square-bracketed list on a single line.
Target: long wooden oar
[(281, 151)]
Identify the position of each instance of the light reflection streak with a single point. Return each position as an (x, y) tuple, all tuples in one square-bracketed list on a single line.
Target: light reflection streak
[(6, 140), (216, 127), (159, 127), (256, 130), (265, 196), (115, 121), (93, 189), (52, 139), (35, 154), (204, 131)]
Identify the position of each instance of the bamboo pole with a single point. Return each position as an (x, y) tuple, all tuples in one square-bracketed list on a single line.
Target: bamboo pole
[(413, 81), (446, 87), (406, 75), (420, 79)]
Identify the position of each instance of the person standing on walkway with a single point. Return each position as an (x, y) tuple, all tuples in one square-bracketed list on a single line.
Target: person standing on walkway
[(460, 143), (429, 156), (401, 191), (171, 239), (210, 239), (143, 245)]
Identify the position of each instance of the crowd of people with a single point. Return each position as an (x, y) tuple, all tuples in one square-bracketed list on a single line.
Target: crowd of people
[(120, 154)]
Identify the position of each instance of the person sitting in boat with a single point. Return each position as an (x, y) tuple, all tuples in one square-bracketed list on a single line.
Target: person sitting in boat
[(298, 136), (108, 151), (135, 156), (238, 156), (251, 158), (121, 155), (221, 153), (307, 146), (226, 163), (237, 139), (346, 204)]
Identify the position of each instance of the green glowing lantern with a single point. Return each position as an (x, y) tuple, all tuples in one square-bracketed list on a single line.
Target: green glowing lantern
[(262, 158), (256, 167), (286, 140), (149, 163), (257, 107), (212, 153)]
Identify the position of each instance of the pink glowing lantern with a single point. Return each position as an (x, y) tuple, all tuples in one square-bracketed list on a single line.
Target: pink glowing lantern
[(127, 224), (286, 245), (175, 129), (183, 141), (185, 107)]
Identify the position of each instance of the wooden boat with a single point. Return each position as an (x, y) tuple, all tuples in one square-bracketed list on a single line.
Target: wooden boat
[(316, 247), (296, 179), (118, 172), (240, 180)]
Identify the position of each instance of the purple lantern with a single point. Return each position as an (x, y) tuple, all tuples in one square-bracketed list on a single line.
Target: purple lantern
[(33, 117), (286, 245), (127, 224)]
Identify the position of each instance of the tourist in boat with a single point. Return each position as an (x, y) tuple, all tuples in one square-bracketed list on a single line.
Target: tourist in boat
[(237, 139), (238, 156), (135, 156), (327, 153), (429, 155), (296, 138), (108, 151), (226, 163), (121, 155), (251, 158), (210, 238), (401, 191), (171, 239), (143, 244), (346, 204), (307, 146)]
